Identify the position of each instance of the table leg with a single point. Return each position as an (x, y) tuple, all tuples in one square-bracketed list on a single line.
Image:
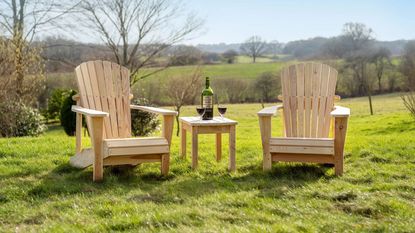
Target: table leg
[(183, 142), (194, 147), (232, 156), (218, 147)]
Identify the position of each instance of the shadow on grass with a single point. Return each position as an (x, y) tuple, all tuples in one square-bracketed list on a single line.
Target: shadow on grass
[(66, 180)]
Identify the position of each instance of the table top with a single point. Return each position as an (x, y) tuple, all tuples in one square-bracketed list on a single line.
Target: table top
[(216, 121)]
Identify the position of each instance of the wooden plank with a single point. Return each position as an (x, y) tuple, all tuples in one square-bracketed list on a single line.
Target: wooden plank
[(111, 98), (317, 142), (116, 78), (139, 150), (213, 129), (307, 92), (167, 128), (125, 86), (134, 142), (183, 142), (300, 99), (265, 128), (133, 160), (216, 121), (195, 142), (82, 159), (88, 112), (302, 150), (277, 157), (165, 164), (286, 103), (97, 136), (316, 76), (330, 101), (218, 147), (269, 111), (160, 111), (293, 101), (99, 72), (232, 150), (340, 129), (323, 99)]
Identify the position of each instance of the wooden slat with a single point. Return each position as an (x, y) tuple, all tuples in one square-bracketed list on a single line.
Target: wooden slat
[(303, 158), (116, 77), (293, 100), (330, 101), (111, 98), (302, 150), (134, 142), (300, 99), (307, 92), (318, 142), (138, 150), (133, 160), (316, 76), (285, 91), (99, 72), (125, 85), (323, 99)]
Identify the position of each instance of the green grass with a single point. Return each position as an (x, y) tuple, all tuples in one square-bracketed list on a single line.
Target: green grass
[(39, 191)]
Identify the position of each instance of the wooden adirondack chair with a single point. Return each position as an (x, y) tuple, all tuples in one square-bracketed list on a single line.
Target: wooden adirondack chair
[(104, 98), (308, 111)]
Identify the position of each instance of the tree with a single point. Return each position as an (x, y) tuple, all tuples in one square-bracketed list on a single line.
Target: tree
[(22, 20), (136, 31), (275, 47), (381, 59), (267, 85), (183, 90), (407, 66), (360, 38), (230, 56), (254, 47), (185, 55)]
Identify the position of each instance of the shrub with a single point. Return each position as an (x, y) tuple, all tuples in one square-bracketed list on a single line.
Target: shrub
[(143, 123), (55, 102), (409, 102), (67, 117), (18, 120)]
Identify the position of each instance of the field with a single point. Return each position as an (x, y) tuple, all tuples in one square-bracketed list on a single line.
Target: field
[(41, 192)]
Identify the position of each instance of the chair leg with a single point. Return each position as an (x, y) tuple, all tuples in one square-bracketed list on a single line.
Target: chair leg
[(97, 138), (340, 128), (265, 127), (165, 163)]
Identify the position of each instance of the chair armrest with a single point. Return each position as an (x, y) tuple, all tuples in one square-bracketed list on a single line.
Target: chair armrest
[(89, 112), (269, 111), (340, 111), (164, 112)]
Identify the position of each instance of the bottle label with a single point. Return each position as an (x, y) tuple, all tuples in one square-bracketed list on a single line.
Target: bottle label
[(207, 102)]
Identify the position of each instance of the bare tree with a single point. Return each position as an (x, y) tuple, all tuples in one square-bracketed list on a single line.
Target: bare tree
[(22, 20), (407, 66), (136, 31), (381, 60), (254, 47), (183, 90), (360, 39)]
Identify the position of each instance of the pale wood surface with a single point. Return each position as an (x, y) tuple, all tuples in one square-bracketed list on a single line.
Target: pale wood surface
[(216, 121), (308, 95), (160, 111), (216, 126), (269, 111), (89, 112), (104, 97)]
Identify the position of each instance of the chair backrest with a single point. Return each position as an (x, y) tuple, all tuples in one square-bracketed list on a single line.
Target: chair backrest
[(308, 91), (105, 86)]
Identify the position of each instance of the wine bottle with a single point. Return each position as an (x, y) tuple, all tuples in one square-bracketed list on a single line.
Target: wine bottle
[(207, 101)]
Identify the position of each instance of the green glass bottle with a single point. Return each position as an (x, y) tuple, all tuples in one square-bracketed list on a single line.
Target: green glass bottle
[(207, 101)]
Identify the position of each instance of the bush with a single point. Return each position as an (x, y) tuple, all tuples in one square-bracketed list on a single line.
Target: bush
[(143, 123), (18, 120), (55, 103), (67, 117), (409, 102)]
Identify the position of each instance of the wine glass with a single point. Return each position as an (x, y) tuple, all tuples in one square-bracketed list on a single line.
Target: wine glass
[(201, 111), (221, 110)]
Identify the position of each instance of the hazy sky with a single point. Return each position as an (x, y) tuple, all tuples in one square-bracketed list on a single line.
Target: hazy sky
[(233, 21)]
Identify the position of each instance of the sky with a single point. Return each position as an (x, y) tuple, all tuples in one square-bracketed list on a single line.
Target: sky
[(233, 21)]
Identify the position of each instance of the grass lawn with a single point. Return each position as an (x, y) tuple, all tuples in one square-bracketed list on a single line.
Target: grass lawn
[(39, 191)]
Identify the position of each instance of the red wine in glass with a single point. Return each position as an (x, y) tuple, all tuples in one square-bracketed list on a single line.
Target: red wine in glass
[(222, 110), (200, 111)]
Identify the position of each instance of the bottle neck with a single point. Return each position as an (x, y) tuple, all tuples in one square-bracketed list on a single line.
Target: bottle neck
[(207, 83)]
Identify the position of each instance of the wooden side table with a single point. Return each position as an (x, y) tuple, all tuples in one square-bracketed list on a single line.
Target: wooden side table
[(216, 126)]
